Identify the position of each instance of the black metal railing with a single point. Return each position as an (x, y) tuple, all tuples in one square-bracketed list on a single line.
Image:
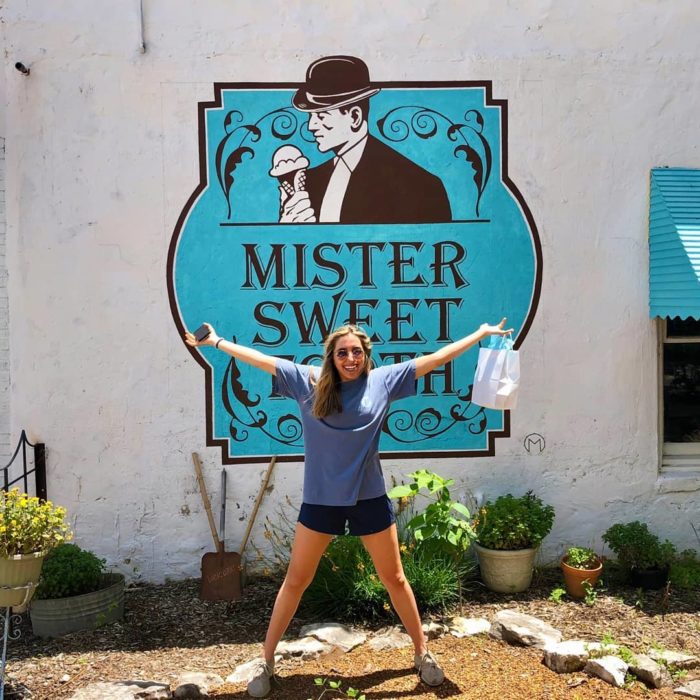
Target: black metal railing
[(39, 468)]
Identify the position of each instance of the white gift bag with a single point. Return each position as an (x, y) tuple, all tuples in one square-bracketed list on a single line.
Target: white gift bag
[(497, 375)]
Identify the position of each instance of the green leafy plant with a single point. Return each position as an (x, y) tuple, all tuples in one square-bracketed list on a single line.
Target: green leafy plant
[(582, 558), (444, 526), (685, 571), (328, 686), (557, 594), (608, 646), (607, 640), (626, 654), (29, 524), (591, 595), (68, 571), (513, 523), (678, 674), (638, 548), (347, 587)]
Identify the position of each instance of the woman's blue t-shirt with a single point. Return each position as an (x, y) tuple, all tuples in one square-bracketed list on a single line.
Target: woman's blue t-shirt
[(341, 451)]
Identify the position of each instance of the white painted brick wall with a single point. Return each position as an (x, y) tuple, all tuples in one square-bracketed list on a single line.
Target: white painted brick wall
[(4, 325), (102, 156)]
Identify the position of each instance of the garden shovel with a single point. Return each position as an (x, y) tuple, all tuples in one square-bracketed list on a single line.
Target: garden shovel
[(256, 507), (221, 570)]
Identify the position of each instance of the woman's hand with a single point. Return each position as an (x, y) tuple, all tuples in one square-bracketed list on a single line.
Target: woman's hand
[(209, 340), (427, 363), (495, 330)]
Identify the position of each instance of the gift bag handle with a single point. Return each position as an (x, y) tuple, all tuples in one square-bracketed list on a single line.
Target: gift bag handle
[(501, 342)]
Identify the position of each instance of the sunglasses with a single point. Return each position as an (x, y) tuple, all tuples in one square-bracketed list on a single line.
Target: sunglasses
[(356, 353)]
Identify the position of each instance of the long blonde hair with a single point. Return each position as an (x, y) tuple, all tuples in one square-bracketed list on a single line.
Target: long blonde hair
[(327, 387)]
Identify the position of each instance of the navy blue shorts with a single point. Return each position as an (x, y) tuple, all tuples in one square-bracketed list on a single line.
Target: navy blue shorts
[(364, 518)]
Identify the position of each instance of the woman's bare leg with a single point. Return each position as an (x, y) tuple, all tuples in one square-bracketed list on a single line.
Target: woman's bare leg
[(307, 549), (383, 547)]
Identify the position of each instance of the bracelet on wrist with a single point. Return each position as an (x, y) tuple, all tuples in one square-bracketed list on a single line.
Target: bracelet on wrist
[(217, 343)]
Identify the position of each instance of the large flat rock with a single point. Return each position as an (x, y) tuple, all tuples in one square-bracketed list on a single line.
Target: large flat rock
[(391, 638), (517, 628), (674, 659), (689, 690), (305, 648), (335, 634), (468, 626), (611, 669), (124, 690), (648, 671), (569, 656)]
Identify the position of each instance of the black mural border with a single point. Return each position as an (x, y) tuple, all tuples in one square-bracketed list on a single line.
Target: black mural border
[(217, 102)]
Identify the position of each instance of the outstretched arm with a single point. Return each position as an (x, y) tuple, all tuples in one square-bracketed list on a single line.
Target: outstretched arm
[(427, 363), (258, 359)]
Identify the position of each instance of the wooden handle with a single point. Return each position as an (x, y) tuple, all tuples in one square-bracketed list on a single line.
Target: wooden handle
[(258, 501), (207, 505)]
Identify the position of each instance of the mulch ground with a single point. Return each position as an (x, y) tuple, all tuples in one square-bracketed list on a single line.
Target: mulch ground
[(167, 630)]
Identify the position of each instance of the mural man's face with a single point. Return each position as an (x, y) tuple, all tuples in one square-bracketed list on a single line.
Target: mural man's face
[(334, 128)]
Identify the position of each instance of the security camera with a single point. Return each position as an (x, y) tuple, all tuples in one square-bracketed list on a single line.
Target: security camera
[(22, 68)]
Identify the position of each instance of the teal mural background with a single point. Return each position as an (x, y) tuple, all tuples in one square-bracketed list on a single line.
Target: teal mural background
[(210, 268)]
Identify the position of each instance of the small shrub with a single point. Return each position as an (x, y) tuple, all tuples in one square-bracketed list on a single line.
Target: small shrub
[(638, 548), (68, 571), (346, 585), (513, 523), (436, 581), (685, 571)]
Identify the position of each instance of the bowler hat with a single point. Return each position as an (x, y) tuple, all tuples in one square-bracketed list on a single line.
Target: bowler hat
[(332, 82)]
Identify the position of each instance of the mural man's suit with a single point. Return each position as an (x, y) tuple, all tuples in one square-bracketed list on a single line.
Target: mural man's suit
[(385, 187), (382, 186)]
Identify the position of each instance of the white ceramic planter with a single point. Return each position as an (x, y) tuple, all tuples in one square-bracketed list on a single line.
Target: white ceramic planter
[(506, 570)]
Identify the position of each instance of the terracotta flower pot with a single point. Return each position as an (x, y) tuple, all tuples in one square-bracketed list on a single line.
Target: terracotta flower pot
[(574, 578)]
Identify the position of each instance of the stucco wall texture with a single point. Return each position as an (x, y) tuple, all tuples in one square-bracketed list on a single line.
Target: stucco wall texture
[(102, 156)]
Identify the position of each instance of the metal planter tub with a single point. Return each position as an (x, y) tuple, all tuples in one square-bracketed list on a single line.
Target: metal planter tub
[(58, 616)]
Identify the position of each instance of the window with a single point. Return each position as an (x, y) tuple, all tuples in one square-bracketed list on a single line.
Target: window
[(681, 394)]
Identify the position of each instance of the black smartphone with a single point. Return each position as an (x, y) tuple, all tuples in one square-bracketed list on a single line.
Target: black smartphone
[(201, 333)]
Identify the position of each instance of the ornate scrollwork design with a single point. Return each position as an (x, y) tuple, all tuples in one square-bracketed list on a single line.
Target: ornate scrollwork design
[(15, 632), (399, 123), (407, 428), (240, 406), (282, 123)]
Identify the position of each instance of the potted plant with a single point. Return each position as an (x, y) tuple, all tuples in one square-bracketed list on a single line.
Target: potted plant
[(29, 528), (509, 531), (75, 593), (642, 556), (580, 565)]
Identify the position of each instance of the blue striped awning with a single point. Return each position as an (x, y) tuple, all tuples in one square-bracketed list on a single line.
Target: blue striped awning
[(674, 243)]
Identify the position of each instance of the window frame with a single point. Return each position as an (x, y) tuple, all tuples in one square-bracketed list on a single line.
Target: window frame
[(673, 456)]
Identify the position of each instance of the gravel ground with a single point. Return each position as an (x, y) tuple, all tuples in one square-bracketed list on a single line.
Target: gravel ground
[(167, 630)]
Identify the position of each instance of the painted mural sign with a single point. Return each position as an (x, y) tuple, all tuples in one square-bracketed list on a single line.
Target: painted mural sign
[(341, 200)]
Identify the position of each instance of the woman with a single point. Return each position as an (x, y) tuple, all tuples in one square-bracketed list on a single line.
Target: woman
[(343, 406)]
